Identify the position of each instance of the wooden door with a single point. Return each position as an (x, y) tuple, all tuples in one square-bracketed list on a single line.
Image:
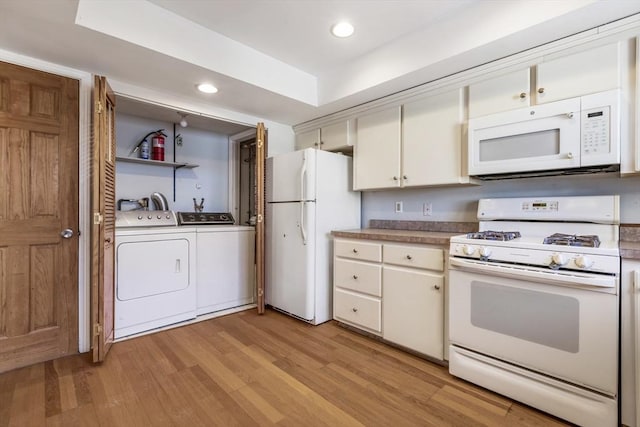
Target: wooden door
[(103, 184), (38, 200), (261, 148)]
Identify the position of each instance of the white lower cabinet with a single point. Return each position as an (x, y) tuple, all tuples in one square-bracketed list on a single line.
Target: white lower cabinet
[(630, 343), (393, 290), (413, 310)]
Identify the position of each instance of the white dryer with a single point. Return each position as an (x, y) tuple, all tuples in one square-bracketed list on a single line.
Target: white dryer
[(155, 272)]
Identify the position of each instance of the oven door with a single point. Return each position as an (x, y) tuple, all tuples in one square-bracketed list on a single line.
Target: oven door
[(552, 326)]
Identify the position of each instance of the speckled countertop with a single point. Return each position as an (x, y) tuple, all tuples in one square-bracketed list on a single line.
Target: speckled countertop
[(630, 241), (439, 233), (423, 232)]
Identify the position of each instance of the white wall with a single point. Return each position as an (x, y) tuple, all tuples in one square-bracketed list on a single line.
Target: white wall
[(460, 203), (207, 149)]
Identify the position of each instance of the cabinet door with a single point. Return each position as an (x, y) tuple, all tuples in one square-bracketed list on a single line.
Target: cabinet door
[(309, 139), (591, 71), (502, 93), (413, 310), (377, 151), (337, 136), (432, 140)]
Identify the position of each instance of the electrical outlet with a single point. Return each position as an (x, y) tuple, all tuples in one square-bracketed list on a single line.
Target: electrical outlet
[(398, 206), (427, 209)]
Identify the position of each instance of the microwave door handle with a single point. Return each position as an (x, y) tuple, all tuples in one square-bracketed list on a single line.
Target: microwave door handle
[(542, 276)]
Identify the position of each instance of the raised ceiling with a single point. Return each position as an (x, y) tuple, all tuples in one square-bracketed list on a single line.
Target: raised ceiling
[(275, 59)]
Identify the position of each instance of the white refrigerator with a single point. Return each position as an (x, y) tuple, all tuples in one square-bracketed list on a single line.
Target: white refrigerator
[(308, 194)]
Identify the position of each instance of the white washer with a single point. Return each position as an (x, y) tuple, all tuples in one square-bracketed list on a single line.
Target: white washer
[(155, 278)]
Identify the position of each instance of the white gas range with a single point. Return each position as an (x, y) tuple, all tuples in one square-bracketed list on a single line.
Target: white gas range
[(534, 304)]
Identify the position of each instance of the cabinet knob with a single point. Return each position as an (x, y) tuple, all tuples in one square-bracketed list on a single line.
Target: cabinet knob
[(355, 277), (395, 178), (355, 251), (523, 95), (570, 115), (321, 142), (354, 309), (541, 90), (404, 177), (315, 144), (436, 287), (569, 155), (409, 257)]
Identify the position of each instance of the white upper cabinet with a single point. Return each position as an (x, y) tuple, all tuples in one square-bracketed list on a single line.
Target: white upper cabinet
[(308, 139), (337, 136), (432, 140), (593, 70), (376, 157), (333, 137), (421, 147), (558, 76), (501, 93)]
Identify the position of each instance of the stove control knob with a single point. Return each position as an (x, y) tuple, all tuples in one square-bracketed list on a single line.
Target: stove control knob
[(468, 249), (159, 216), (583, 261), (149, 217), (558, 259), (485, 252), (168, 216), (139, 216)]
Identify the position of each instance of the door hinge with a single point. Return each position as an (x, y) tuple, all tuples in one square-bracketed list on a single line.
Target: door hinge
[(97, 218), (98, 107), (97, 328)]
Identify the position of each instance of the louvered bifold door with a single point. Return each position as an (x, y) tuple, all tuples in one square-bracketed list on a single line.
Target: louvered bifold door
[(103, 179), (261, 149)]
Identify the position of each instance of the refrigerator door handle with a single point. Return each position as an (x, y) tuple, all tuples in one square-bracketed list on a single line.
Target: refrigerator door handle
[(303, 173), (303, 232)]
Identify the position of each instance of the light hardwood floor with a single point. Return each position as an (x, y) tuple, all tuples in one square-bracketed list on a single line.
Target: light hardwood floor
[(250, 370)]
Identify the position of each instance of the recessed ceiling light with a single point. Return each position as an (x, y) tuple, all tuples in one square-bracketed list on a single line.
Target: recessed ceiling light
[(342, 29), (207, 88)]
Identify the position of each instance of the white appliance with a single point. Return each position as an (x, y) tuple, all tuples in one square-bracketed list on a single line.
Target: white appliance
[(578, 134), (225, 267), (155, 271), (308, 195), (534, 311)]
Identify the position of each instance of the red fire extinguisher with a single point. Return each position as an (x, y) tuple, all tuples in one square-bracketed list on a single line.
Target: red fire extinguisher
[(157, 146)]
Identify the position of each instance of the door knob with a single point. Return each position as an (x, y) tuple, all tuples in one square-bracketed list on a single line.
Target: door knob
[(67, 233)]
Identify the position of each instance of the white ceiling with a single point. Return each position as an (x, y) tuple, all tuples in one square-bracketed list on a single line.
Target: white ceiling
[(275, 59)]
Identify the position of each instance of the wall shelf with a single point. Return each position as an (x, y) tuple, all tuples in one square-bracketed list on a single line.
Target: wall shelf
[(156, 162)]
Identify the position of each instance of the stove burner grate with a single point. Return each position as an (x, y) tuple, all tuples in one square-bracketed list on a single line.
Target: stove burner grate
[(494, 235), (591, 241)]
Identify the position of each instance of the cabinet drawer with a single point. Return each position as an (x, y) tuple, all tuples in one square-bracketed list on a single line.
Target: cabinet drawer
[(358, 276), (360, 310), (414, 256), (358, 250)]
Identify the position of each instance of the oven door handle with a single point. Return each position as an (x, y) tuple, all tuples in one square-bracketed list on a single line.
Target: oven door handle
[(549, 277)]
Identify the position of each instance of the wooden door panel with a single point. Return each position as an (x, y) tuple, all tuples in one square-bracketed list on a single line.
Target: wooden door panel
[(103, 230), (39, 187)]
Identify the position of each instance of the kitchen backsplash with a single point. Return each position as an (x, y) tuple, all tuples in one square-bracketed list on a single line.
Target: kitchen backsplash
[(438, 226), (460, 204)]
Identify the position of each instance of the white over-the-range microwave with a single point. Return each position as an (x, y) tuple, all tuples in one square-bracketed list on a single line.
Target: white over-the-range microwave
[(569, 136)]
